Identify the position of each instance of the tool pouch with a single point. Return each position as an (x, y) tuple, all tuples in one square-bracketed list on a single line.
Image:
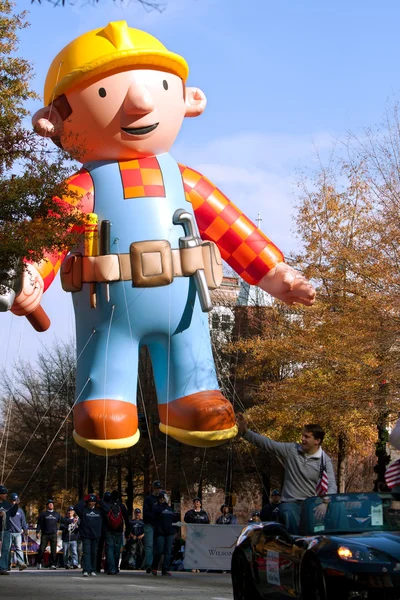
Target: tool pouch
[(102, 269), (212, 264), (71, 273), (151, 263)]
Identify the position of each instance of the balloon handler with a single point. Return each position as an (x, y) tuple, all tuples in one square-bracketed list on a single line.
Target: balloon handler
[(115, 99)]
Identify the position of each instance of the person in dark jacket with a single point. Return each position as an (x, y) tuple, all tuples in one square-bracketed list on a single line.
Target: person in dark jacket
[(197, 514), (91, 512), (227, 518), (149, 502), (18, 526), (255, 517), (102, 540), (271, 510), (132, 555), (137, 536), (7, 511), (116, 516), (46, 528), (163, 516), (70, 537)]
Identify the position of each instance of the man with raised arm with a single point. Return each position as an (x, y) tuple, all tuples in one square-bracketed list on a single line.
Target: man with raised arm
[(308, 470)]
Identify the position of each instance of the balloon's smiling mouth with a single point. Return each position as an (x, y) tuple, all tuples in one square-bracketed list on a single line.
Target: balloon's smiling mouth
[(139, 130)]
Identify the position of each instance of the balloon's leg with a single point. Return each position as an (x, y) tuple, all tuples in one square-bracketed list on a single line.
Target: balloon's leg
[(105, 417), (191, 407)]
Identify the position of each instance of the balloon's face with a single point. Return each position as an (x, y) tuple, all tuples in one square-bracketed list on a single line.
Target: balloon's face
[(126, 115)]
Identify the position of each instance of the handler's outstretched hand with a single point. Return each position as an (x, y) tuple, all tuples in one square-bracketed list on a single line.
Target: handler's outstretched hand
[(286, 284), (241, 423)]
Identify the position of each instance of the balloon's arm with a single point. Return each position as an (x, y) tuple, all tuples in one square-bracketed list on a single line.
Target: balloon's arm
[(245, 248), (13, 284)]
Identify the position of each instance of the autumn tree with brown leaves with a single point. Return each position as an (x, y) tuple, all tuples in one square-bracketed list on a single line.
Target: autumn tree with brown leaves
[(338, 363)]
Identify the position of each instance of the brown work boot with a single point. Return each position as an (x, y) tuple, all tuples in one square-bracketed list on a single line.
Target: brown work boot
[(202, 419), (106, 426)]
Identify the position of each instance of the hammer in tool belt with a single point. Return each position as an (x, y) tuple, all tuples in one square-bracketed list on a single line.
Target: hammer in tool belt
[(191, 240)]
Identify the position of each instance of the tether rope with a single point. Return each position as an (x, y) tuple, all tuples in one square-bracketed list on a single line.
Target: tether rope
[(168, 381), (55, 437), (50, 405), (104, 395), (116, 241), (202, 467), (8, 415), (184, 476)]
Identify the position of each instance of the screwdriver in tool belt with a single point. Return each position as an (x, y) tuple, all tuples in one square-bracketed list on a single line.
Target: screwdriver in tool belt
[(105, 247)]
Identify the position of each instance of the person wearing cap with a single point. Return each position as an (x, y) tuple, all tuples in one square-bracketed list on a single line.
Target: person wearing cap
[(227, 518), (255, 517), (91, 512), (271, 510), (137, 536), (148, 519), (115, 99), (101, 559), (18, 526), (164, 517), (47, 526), (70, 537), (117, 516), (7, 511), (196, 514)]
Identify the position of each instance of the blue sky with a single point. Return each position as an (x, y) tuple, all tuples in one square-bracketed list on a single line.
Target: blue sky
[(283, 79)]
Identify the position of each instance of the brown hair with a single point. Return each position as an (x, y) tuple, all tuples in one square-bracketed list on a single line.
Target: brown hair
[(316, 430)]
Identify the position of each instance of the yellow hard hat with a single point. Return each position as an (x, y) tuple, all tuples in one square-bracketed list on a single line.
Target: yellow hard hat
[(103, 50)]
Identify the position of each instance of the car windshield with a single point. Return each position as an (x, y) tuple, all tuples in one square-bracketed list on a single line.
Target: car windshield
[(350, 513)]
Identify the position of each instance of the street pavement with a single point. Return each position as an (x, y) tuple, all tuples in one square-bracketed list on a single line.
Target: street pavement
[(70, 585)]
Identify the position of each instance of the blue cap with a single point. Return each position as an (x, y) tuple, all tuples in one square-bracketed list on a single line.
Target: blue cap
[(3, 490), (14, 496)]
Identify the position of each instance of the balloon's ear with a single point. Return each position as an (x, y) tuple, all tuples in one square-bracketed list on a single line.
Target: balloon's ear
[(48, 122), (195, 102)]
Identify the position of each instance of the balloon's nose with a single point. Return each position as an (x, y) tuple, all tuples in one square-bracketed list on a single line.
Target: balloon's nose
[(138, 100)]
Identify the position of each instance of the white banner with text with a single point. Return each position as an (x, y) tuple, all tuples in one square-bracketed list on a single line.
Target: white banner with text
[(210, 546)]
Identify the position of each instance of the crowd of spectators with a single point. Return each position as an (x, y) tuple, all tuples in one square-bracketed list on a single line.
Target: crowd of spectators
[(95, 530)]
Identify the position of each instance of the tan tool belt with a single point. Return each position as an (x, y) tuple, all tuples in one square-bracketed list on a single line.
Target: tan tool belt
[(148, 264)]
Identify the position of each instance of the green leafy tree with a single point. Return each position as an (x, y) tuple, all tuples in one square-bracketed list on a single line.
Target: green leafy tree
[(32, 174)]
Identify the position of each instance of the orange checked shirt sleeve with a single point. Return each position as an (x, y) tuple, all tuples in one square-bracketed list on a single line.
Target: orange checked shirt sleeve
[(242, 245), (82, 192)]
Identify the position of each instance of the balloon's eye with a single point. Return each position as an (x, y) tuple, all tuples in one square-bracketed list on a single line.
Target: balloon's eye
[(102, 93), (165, 84)]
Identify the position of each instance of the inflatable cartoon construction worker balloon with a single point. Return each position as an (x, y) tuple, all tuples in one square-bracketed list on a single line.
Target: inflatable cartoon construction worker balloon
[(115, 99)]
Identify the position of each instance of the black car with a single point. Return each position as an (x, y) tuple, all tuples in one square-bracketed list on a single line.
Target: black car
[(352, 552)]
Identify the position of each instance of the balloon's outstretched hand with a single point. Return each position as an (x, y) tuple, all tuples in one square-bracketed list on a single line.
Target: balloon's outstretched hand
[(286, 284)]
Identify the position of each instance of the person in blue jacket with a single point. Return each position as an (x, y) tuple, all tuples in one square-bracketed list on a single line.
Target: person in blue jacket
[(7, 510), (164, 517), (18, 526), (227, 518), (91, 512)]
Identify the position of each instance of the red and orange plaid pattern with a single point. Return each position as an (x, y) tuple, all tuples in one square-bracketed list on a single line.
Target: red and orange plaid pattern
[(82, 194), (142, 178), (242, 245)]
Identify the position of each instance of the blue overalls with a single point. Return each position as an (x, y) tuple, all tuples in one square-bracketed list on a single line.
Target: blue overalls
[(167, 319)]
